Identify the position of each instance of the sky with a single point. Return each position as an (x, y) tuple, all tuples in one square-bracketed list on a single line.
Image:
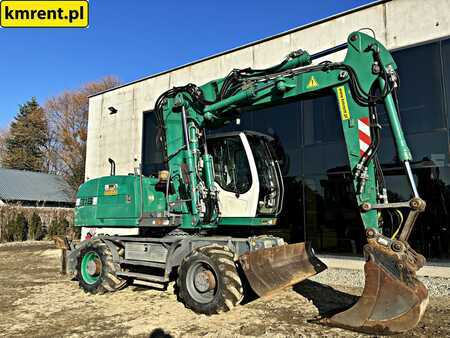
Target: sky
[(134, 38)]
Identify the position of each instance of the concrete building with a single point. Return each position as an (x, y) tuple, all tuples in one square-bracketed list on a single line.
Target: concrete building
[(397, 23), (417, 31)]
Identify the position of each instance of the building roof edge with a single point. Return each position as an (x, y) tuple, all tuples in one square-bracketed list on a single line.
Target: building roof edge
[(253, 43)]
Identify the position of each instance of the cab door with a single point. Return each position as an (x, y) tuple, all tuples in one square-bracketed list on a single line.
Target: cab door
[(235, 175)]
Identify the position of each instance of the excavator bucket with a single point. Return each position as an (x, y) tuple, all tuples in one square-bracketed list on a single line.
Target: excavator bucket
[(393, 299), (273, 269)]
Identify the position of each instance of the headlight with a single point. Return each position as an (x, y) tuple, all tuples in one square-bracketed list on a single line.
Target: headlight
[(94, 201), (77, 202)]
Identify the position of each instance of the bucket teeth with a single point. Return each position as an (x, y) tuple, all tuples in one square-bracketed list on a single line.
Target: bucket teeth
[(393, 299), (273, 269)]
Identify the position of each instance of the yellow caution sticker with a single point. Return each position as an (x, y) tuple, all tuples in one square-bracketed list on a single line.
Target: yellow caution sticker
[(343, 105), (111, 189), (312, 83)]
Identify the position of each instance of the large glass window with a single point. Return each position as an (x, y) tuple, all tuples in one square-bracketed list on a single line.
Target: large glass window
[(430, 146), (446, 68), (323, 158), (324, 147), (321, 120), (245, 122), (281, 122), (333, 223), (431, 234), (420, 94), (152, 158), (292, 217), (231, 168)]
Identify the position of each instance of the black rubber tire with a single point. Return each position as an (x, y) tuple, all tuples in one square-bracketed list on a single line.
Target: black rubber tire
[(228, 292), (108, 281)]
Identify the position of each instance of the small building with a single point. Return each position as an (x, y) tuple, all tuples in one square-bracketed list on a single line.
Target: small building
[(27, 188)]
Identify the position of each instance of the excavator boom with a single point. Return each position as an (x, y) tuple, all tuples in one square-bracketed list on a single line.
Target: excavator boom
[(393, 299)]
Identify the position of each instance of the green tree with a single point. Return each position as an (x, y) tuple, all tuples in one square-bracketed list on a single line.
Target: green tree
[(26, 142), (76, 232), (3, 136), (17, 228), (22, 228), (9, 230), (58, 227), (35, 228)]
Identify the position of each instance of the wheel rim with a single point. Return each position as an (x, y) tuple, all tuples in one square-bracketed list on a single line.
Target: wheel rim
[(91, 267), (201, 282)]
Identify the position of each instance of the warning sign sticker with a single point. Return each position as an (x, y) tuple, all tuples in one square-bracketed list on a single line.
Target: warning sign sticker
[(312, 83), (343, 105), (110, 189)]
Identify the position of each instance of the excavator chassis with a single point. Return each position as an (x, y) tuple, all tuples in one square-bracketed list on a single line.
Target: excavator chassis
[(393, 300)]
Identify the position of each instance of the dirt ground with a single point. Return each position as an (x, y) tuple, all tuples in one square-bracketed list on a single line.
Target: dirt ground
[(36, 301)]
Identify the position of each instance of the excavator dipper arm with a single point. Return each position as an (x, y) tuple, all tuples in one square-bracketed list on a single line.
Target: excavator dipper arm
[(393, 299)]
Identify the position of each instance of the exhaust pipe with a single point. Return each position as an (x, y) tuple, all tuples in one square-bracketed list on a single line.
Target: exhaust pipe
[(113, 167)]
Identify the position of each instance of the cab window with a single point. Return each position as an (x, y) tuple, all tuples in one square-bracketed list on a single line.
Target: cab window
[(231, 168)]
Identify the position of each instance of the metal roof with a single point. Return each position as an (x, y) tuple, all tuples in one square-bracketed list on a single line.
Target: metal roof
[(22, 185), (314, 23)]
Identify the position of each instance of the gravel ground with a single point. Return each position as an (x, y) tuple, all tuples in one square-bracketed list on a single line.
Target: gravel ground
[(36, 301), (437, 286)]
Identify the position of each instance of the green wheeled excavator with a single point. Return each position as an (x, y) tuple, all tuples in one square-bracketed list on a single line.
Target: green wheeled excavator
[(187, 222)]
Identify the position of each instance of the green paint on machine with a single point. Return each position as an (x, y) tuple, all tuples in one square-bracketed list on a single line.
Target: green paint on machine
[(98, 206), (89, 264), (188, 197)]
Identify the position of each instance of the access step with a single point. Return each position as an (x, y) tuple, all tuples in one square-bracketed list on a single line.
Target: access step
[(143, 276)]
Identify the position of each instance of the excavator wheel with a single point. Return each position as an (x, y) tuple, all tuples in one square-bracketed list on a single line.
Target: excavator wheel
[(96, 271), (208, 281)]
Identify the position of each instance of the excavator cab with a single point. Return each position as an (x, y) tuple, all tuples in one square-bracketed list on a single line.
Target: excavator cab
[(249, 182), (247, 175)]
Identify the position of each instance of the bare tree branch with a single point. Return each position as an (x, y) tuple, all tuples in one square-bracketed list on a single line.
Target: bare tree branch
[(68, 121)]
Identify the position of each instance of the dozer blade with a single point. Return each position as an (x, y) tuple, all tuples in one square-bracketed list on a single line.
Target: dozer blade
[(273, 269), (393, 300)]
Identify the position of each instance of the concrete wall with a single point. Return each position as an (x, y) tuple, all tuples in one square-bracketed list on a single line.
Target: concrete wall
[(397, 23)]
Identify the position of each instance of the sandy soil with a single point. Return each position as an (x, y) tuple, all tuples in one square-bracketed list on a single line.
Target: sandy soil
[(36, 301)]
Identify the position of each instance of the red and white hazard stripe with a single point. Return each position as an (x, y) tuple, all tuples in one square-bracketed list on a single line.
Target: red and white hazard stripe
[(364, 135)]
